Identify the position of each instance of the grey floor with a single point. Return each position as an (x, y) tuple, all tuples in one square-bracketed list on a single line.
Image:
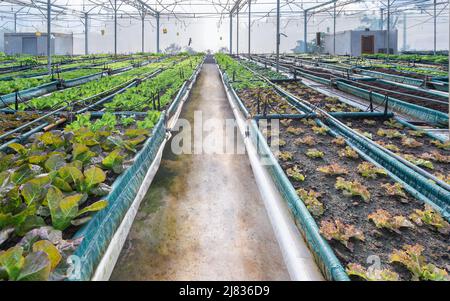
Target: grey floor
[(203, 218)]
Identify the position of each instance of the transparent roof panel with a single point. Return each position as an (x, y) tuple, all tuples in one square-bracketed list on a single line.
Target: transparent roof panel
[(206, 23)]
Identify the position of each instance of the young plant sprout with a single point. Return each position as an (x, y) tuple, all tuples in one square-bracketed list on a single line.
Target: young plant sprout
[(295, 174), (411, 257), (395, 189), (339, 141), (383, 219), (348, 152), (389, 133), (411, 142), (307, 140), (285, 156), (294, 131), (430, 217), (311, 200), (314, 153), (369, 170), (371, 274), (337, 230), (352, 188), (333, 169)]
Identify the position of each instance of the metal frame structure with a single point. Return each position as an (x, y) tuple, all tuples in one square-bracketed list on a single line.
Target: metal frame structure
[(142, 9)]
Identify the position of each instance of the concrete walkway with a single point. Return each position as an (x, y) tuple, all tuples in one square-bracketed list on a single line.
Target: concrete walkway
[(203, 218)]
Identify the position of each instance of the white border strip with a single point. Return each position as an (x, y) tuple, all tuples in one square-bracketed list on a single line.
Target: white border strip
[(297, 257), (107, 263), (109, 259)]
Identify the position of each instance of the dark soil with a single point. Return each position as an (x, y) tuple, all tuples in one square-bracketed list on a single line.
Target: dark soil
[(379, 242), (270, 102), (9, 122), (399, 73), (427, 147), (434, 102), (330, 104), (323, 73)]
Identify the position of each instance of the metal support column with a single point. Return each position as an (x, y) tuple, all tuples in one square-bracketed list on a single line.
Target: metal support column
[(278, 36), (157, 32), (381, 18), (86, 33), (249, 25), (143, 33), (305, 34), (237, 31), (334, 28), (115, 27), (434, 29), (388, 48), (404, 32), (231, 33), (49, 36), (15, 22)]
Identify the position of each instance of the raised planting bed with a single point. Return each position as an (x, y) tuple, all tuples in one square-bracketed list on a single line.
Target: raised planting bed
[(360, 210), (414, 96), (88, 90), (51, 184), (255, 95), (158, 92), (12, 121), (398, 72), (262, 70), (265, 101), (315, 98), (415, 146)]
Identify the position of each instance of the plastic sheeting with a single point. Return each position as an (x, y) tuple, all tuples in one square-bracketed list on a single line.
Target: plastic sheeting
[(419, 112), (432, 192), (8, 99), (82, 80), (323, 254), (99, 231)]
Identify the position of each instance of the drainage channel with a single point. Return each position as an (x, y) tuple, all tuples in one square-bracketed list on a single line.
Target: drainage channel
[(203, 217)]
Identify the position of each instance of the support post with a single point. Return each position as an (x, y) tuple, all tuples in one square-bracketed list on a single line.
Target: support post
[(231, 33), (434, 28), (278, 37), (15, 22), (334, 28), (115, 27), (143, 33), (404, 32), (388, 48), (249, 25), (305, 33), (381, 18), (237, 31), (157, 32), (49, 36), (86, 33)]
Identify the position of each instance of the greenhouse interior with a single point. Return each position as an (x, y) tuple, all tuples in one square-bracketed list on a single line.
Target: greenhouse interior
[(224, 140)]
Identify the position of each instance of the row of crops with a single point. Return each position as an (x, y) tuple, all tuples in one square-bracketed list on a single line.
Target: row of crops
[(362, 186), (404, 95), (433, 76), (59, 175), (20, 81)]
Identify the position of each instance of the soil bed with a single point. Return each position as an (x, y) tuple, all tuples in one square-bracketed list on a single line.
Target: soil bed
[(9, 122), (330, 104), (354, 210), (440, 161), (270, 102), (375, 86), (399, 73)]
